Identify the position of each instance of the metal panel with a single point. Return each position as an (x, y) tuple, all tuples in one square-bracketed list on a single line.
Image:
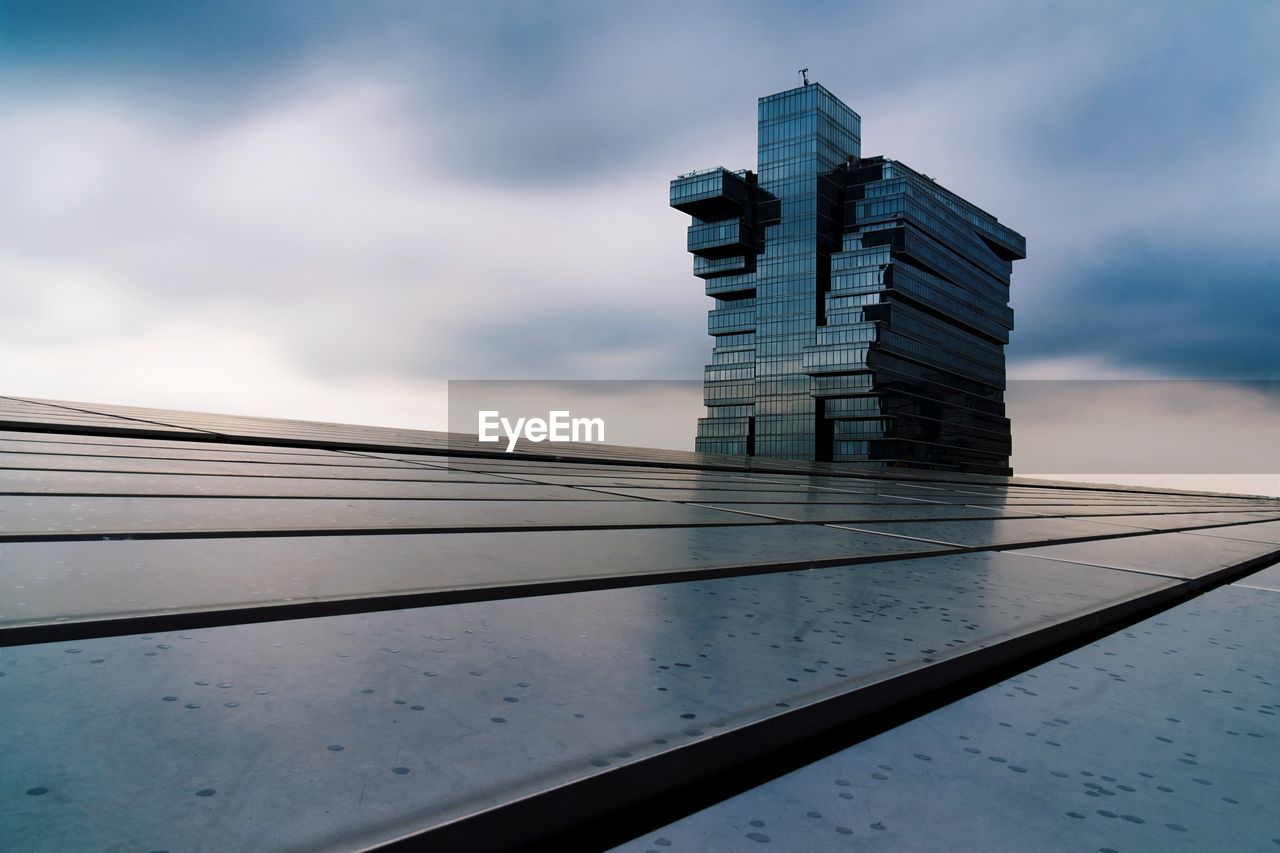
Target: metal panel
[(560, 672), (1179, 555), (31, 414), (98, 516), (649, 482), (1188, 520), (986, 533), (194, 451), (1160, 737), (1267, 531), (766, 497), (1240, 512), (428, 485), (831, 512), (348, 730), (38, 442), (339, 467), (67, 585), (1268, 579)]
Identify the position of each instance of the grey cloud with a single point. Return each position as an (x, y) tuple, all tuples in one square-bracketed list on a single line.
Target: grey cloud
[(417, 191), (1201, 311)]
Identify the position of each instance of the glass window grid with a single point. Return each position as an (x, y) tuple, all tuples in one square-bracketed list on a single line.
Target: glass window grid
[(935, 330), (940, 223)]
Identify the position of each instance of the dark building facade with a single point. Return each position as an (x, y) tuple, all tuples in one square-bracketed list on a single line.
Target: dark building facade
[(861, 310)]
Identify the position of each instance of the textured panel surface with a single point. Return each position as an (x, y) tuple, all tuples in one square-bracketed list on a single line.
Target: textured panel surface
[(982, 533), (347, 730), (45, 582), (112, 515), (290, 635), (1267, 531), (831, 511), (1165, 736), (1173, 554)]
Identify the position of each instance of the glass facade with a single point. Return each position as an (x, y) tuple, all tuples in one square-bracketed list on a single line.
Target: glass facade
[(861, 309)]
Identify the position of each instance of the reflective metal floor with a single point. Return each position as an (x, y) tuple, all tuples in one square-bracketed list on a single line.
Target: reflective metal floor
[(240, 633), (1164, 736)]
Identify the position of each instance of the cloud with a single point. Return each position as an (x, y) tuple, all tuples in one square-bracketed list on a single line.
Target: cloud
[(1204, 310), (186, 364), (387, 195), (322, 226)]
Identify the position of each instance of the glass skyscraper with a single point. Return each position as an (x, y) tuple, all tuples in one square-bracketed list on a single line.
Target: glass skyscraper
[(861, 310)]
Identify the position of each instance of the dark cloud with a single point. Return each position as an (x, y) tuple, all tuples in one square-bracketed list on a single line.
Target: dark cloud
[(213, 46), (1199, 311), (516, 92), (572, 341), (568, 340), (1183, 81), (431, 190)]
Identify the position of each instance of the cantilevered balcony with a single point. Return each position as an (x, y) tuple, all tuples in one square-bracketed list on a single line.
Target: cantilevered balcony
[(711, 194), (737, 316), (720, 239), (715, 267), (843, 358)]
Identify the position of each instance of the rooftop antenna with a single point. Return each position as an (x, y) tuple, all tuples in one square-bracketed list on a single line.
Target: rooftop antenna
[(804, 75)]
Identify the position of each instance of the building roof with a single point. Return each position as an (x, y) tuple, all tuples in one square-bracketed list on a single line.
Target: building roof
[(224, 632)]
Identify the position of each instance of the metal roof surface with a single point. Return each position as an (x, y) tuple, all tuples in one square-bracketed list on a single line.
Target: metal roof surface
[(221, 633)]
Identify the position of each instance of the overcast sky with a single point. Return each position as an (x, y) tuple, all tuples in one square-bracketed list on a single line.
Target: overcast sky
[(326, 209)]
